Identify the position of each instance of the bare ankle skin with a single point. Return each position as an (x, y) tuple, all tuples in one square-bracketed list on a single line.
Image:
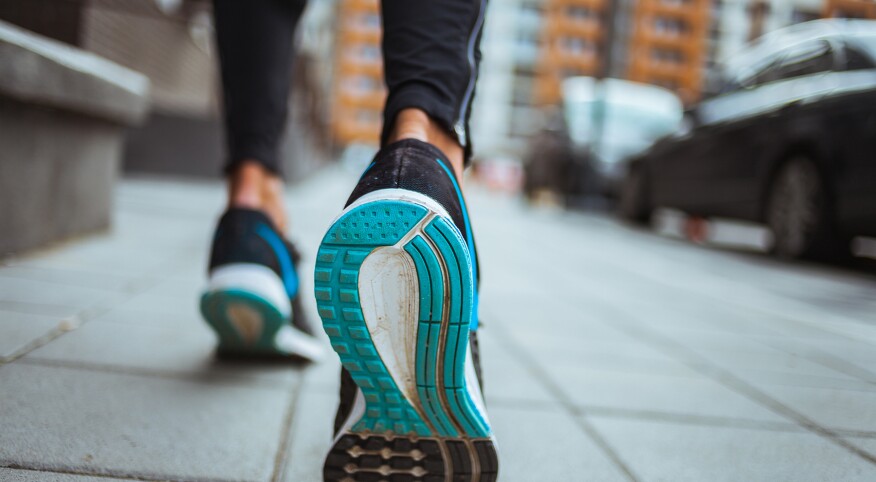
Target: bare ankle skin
[(416, 124), (252, 186)]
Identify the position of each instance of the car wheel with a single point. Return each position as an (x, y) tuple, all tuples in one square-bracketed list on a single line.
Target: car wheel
[(634, 204), (798, 211)]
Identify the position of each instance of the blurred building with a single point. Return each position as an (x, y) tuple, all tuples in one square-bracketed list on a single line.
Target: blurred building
[(669, 44), (573, 32), (358, 88), (171, 41), (503, 114), (850, 8)]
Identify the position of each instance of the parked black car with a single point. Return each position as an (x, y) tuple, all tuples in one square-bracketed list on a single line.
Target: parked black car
[(790, 142)]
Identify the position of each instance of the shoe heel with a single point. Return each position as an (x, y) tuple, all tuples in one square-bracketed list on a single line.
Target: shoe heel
[(246, 306), (430, 395)]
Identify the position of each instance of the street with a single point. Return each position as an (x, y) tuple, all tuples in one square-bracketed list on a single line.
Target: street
[(610, 353)]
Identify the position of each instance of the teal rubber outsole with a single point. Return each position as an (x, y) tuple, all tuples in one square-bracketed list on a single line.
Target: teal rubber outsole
[(215, 307), (444, 407)]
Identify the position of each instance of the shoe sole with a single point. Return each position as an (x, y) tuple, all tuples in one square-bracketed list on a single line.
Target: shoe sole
[(245, 322), (419, 420)]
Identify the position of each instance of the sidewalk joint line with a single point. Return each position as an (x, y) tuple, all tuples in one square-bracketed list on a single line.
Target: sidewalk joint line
[(109, 474), (226, 378), (577, 414), (717, 373), (286, 433)]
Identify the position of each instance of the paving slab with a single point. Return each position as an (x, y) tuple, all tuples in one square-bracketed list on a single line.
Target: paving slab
[(507, 379), (836, 352), (122, 425), (153, 312), (681, 395), (613, 354), (105, 253), (162, 309), (867, 444), (142, 371), (664, 451), (41, 292), (764, 379), (311, 435), (17, 330), (540, 445), (186, 351), (13, 475), (67, 277), (841, 409), (55, 311), (740, 352)]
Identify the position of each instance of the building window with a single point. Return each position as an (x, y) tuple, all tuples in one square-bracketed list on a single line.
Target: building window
[(363, 53), (361, 85), (577, 46), (667, 56), (669, 27), (580, 13)]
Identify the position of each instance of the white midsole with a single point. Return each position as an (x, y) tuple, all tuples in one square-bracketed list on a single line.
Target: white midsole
[(252, 278), (293, 340)]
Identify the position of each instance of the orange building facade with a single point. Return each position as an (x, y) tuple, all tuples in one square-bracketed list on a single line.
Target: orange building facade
[(669, 45), (573, 36), (850, 8), (666, 43), (359, 91)]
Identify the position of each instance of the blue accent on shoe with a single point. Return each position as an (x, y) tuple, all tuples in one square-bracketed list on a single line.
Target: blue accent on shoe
[(442, 336), (290, 276), (469, 239)]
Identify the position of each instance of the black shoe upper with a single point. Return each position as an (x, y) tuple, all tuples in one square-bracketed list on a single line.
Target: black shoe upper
[(416, 166), (420, 167), (248, 236)]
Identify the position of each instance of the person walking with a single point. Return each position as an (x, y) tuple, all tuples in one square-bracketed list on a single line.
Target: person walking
[(396, 276)]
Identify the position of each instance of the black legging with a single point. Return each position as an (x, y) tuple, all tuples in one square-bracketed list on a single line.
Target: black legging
[(430, 51)]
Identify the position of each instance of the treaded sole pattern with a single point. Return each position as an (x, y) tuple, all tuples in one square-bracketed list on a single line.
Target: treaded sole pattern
[(374, 458), (443, 412), (245, 322)]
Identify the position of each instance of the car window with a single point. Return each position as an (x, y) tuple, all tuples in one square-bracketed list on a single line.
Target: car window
[(805, 59), (856, 59), (751, 76)]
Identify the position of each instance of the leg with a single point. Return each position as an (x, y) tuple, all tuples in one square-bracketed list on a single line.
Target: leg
[(252, 293), (431, 56), (396, 274), (255, 40)]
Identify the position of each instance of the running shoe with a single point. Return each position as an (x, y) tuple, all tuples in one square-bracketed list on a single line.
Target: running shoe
[(395, 284), (251, 300)]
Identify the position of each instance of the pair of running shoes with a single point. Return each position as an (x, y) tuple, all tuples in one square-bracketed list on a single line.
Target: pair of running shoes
[(395, 284)]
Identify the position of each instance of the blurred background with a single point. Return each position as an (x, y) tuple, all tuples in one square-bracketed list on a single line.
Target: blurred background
[(675, 202), (544, 122)]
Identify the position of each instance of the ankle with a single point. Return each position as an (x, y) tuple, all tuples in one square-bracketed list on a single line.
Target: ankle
[(416, 124), (252, 186)]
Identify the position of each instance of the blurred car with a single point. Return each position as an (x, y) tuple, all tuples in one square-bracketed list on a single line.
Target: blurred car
[(609, 121), (790, 142)]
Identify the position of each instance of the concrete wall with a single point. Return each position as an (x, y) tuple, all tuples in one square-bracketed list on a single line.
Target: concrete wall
[(63, 114), (57, 171)]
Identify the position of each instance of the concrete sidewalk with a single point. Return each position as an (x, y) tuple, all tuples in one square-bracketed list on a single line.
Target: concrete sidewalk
[(610, 354)]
